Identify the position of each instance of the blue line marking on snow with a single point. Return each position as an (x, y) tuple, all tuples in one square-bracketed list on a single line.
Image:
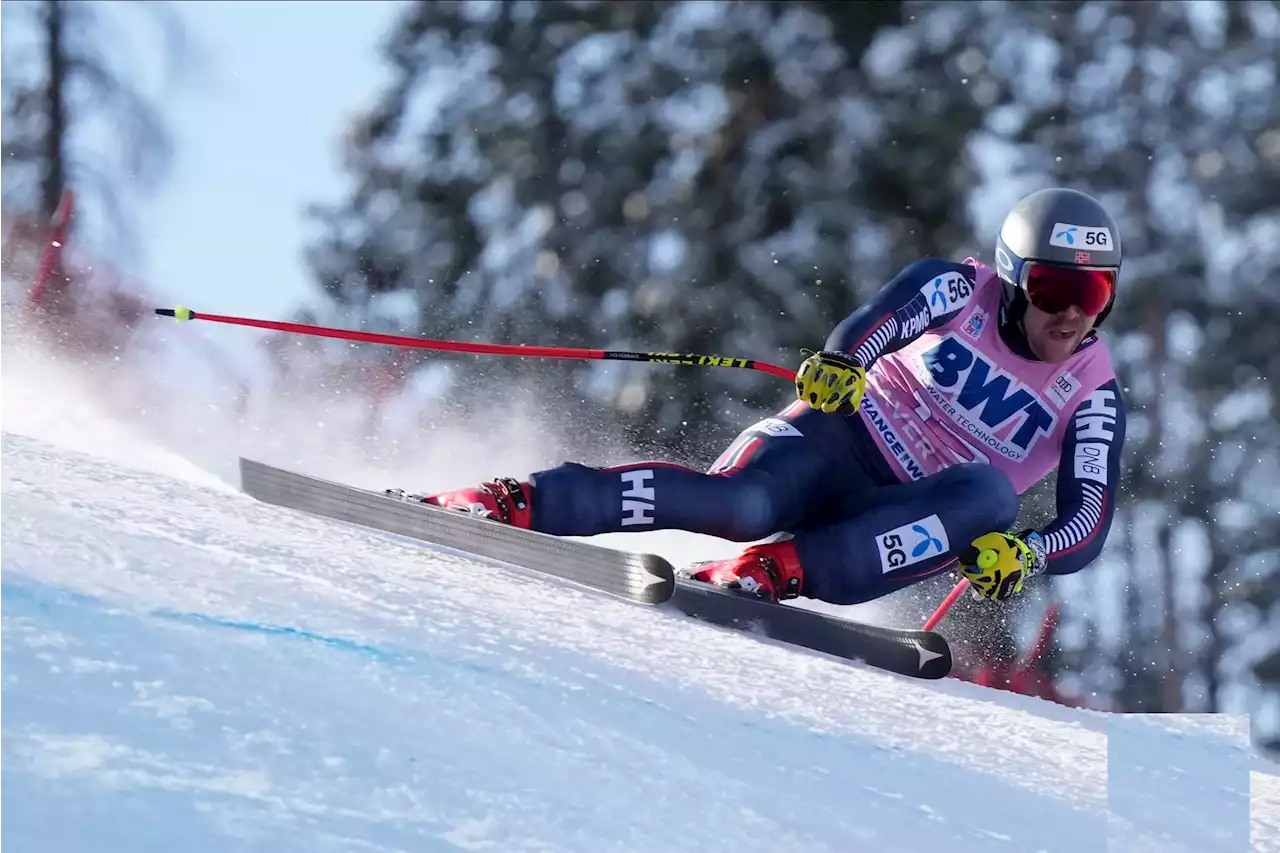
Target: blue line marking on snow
[(362, 649), (45, 597), (41, 596)]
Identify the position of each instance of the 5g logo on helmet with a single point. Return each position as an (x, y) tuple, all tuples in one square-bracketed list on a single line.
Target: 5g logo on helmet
[(1070, 236)]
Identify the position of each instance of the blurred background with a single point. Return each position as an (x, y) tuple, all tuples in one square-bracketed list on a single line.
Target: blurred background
[(720, 177)]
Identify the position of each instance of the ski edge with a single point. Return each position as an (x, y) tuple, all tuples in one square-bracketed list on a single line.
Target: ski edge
[(909, 652)]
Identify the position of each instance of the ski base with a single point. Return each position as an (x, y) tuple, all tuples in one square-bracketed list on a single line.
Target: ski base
[(640, 578)]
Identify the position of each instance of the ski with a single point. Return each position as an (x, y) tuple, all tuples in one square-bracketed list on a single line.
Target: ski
[(913, 653), (640, 578)]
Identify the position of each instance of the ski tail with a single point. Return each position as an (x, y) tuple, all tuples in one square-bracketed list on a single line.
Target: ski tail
[(640, 578)]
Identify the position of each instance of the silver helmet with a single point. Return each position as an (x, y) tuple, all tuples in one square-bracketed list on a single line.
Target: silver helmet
[(1058, 227)]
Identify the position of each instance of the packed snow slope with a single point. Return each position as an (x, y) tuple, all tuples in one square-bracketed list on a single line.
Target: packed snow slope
[(187, 669)]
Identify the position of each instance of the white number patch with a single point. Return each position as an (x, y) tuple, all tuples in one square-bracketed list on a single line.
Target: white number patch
[(776, 426)]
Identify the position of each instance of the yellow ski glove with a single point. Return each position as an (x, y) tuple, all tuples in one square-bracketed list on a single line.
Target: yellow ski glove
[(996, 564), (831, 382)]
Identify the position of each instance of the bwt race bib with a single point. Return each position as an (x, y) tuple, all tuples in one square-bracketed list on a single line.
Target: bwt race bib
[(958, 394)]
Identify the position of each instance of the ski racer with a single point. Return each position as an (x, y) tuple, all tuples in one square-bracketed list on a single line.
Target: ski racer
[(928, 412)]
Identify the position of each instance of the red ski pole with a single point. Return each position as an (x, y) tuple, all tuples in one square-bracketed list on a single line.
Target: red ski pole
[(951, 599), (57, 238), (690, 359)]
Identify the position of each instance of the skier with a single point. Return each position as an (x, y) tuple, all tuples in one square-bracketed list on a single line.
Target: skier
[(928, 412)]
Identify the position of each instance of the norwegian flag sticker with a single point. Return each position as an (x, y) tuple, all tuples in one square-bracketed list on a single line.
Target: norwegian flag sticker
[(1082, 258)]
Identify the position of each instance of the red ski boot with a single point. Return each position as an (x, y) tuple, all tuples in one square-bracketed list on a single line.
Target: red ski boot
[(504, 500), (770, 570)]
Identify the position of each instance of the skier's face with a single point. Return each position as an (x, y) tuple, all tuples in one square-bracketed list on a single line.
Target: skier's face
[(1054, 337)]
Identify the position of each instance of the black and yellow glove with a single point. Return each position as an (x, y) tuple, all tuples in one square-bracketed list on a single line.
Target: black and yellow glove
[(831, 382), (997, 564)]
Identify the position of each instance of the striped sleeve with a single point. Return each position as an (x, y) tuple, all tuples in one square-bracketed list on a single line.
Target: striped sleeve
[(921, 297), (1088, 482), (880, 338)]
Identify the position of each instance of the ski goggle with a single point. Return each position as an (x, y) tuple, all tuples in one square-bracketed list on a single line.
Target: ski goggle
[(1054, 289)]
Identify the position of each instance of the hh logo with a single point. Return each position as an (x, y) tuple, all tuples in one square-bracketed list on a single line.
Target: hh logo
[(911, 543), (1096, 417), (1095, 424), (637, 498), (986, 392)]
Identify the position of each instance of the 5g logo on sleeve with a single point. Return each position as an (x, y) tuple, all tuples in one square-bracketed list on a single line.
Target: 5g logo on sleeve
[(947, 292)]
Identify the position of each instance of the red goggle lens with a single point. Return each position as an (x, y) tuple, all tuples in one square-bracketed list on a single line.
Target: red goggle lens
[(1055, 289)]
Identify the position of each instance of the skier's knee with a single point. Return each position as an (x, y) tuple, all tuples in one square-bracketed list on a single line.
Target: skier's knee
[(989, 492), (755, 510)]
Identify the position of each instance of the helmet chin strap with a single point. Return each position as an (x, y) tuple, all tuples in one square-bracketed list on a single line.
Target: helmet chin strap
[(1013, 307), (1011, 328)]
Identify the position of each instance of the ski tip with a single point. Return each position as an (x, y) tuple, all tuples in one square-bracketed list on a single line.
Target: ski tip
[(179, 313)]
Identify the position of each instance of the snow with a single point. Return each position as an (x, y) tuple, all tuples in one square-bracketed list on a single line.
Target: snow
[(186, 668)]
